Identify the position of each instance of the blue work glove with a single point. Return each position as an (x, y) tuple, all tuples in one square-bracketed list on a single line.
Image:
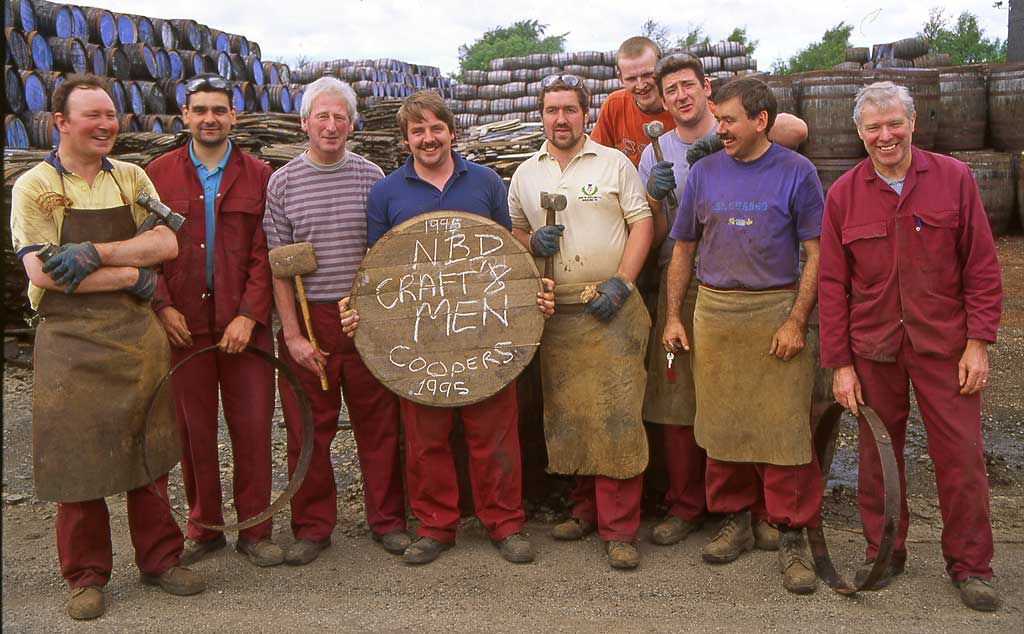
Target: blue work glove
[(613, 294), (145, 286), (544, 241), (662, 180), (703, 147), (72, 264)]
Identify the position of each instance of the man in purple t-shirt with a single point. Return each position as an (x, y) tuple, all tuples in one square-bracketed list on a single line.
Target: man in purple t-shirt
[(751, 208)]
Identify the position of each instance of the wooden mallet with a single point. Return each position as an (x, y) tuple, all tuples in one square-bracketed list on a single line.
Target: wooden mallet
[(653, 131), (294, 261)]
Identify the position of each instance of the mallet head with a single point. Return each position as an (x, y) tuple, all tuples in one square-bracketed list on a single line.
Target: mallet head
[(553, 202), (292, 260), (654, 129)]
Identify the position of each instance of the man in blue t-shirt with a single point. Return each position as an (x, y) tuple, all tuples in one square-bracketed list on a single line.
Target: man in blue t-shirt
[(751, 208), (436, 178)]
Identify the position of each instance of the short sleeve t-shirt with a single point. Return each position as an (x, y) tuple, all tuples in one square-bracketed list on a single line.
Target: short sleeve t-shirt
[(621, 125), (672, 149), (750, 217)]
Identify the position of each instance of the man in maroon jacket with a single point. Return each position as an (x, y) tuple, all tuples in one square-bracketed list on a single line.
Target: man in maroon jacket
[(218, 291), (910, 292)]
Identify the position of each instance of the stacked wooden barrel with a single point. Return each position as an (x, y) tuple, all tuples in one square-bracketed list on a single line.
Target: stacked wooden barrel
[(145, 61)]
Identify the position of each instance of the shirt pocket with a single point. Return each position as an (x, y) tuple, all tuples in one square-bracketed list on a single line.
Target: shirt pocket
[(237, 221), (870, 251), (935, 248)]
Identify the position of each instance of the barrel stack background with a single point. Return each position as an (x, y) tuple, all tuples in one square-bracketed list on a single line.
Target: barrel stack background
[(146, 62)]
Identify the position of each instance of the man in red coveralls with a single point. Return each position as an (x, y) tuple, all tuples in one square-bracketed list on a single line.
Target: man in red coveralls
[(910, 291), (217, 291)]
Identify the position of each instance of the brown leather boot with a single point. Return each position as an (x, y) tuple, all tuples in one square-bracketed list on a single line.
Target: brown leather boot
[(673, 530), (733, 539), (766, 536), (86, 603), (798, 575), (978, 594), (622, 555), (573, 528)]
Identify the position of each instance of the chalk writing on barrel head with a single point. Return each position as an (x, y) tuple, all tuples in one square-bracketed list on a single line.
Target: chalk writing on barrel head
[(447, 305)]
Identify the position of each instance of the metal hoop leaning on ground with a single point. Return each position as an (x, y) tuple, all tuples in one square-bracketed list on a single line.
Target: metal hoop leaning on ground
[(824, 445), (305, 451)]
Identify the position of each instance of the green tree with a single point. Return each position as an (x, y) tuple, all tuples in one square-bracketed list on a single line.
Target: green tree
[(739, 34), (522, 38), (695, 36), (818, 56), (657, 32), (965, 41)]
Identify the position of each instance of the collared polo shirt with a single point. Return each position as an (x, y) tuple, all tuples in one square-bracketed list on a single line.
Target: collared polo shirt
[(210, 181), (604, 196), (403, 195)]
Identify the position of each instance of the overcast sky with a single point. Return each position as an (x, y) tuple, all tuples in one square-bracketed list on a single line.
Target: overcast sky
[(430, 32)]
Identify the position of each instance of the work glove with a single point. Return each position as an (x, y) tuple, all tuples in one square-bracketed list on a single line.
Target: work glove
[(72, 264), (145, 286), (703, 147), (662, 180), (612, 294), (544, 241)]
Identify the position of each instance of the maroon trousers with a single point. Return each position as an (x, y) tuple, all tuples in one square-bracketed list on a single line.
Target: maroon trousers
[(495, 467), (685, 462), (373, 411), (613, 504), (953, 426), (247, 393), (784, 495), (83, 537)]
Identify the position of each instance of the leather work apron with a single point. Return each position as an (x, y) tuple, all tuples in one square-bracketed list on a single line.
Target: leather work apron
[(671, 403), (98, 358), (593, 377), (751, 406)]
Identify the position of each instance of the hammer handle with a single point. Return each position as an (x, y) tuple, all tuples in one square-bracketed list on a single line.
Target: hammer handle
[(309, 328), (549, 262), (659, 157)]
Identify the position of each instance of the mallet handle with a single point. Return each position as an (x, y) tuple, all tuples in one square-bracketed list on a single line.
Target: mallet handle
[(309, 328), (549, 262), (658, 156)]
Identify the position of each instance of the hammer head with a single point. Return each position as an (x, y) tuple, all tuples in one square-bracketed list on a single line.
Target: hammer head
[(654, 129), (292, 260), (552, 202)]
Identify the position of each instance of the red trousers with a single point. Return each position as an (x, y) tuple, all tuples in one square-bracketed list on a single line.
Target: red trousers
[(495, 467), (953, 426), (373, 411), (83, 537), (613, 504), (784, 495), (247, 394), (685, 463)]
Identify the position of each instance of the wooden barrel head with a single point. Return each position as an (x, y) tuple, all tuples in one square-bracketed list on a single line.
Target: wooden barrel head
[(447, 307)]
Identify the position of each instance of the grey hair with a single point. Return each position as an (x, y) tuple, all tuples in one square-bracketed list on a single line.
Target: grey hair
[(879, 94), (329, 86)]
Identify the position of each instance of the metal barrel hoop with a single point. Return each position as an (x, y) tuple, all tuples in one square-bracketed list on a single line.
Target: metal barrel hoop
[(824, 445), (305, 451)]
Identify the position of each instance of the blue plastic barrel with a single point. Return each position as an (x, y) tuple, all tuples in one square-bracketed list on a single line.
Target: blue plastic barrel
[(174, 69), (18, 49), (102, 26), (147, 34), (14, 132), (14, 91), (42, 56), (23, 13), (238, 98), (119, 95), (37, 94), (79, 23), (163, 63), (136, 100), (297, 94), (97, 59), (54, 19), (220, 41), (68, 55), (127, 29), (255, 67)]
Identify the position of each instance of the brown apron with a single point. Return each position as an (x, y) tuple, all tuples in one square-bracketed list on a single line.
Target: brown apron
[(751, 406), (593, 376), (98, 358), (671, 403)]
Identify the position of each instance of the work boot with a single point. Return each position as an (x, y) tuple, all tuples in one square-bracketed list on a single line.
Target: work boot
[(176, 580), (978, 594), (194, 551), (573, 528), (86, 603), (394, 542), (622, 555), (263, 553), (733, 539), (304, 551), (673, 530), (515, 548), (766, 536), (424, 550), (798, 575), (896, 567)]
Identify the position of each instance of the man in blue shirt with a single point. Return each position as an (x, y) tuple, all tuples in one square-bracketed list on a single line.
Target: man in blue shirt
[(436, 178)]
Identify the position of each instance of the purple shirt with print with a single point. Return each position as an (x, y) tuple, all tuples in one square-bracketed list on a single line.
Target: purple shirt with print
[(750, 217)]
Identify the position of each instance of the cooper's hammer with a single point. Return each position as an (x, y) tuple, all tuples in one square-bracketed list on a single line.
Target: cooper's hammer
[(551, 203), (653, 130), (294, 261)]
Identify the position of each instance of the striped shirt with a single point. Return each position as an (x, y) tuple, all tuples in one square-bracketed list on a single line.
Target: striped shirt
[(324, 205)]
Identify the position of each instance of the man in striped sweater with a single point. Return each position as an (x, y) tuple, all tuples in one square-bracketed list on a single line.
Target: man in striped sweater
[(320, 197)]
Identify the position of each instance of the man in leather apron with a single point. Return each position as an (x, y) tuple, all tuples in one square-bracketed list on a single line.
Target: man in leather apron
[(99, 352), (592, 351), (751, 207)]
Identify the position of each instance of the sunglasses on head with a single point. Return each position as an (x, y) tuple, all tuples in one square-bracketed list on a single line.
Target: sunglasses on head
[(203, 84), (570, 81)]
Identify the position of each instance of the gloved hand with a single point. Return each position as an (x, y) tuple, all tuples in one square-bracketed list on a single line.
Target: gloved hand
[(703, 147), (662, 180), (145, 286), (613, 293), (544, 241), (72, 264)]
